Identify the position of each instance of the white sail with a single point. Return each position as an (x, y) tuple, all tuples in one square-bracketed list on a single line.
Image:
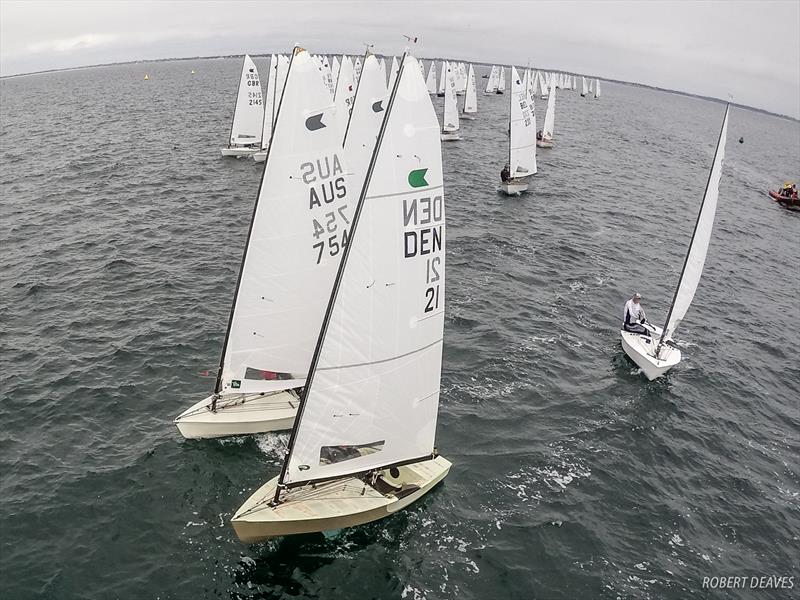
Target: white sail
[(471, 98), (431, 81), (327, 75), (450, 120), (501, 82), (550, 114), (393, 73), (531, 93), (335, 67), (584, 87), (575, 82), (461, 82), (248, 116), (382, 65), (345, 92), (296, 236), (280, 82), (597, 89), (443, 77), (373, 398), (269, 103), (698, 248), (590, 86), (522, 129), (369, 108), (542, 85), (491, 83)]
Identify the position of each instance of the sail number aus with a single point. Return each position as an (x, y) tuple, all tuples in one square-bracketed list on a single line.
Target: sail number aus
[(327, 188)]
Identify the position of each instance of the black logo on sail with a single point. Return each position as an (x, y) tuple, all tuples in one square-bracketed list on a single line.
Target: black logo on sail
[(377, 106), (314, 122)]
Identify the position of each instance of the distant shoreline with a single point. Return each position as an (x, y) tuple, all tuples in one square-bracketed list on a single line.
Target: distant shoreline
[(262, 55)]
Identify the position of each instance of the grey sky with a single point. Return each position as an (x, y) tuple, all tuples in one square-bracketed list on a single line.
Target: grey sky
[(748, 49)]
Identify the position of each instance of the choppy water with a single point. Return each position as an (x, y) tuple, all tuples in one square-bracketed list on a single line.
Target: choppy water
[(573, 477)]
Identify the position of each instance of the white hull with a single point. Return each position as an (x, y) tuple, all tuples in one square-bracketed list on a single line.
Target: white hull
[(450, 136), (260, 156), (238, 151), (513, 187), (544, 143), (640, 349), (239, 415), (467, 116), (336, 504)]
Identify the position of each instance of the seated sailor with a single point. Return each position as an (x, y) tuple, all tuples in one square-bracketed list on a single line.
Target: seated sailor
[(634, 316)]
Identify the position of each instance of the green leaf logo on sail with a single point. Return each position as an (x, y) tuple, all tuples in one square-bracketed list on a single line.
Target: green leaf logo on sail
[(416, 178)]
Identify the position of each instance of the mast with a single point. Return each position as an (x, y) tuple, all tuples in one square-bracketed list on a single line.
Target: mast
[(337, 282), (218, 384), (664, 331)]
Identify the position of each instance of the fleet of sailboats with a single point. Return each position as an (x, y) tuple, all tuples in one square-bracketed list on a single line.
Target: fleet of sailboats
[(335, 328)]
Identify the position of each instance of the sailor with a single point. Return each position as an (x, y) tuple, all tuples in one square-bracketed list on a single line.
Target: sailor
[(634, 316), (505, 174)]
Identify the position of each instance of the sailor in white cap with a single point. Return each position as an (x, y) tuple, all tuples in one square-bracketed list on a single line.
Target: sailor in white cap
[(634, 316)]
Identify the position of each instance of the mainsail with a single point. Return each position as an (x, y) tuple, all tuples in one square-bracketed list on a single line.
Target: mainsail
[(450, 120), (297, 232), (471, 98), (372, 397), (248, 116), (345, 92), (522, 129), (431, 81), (698, 247), (491, 83), (550, 114), (269, 103), (501, 82)]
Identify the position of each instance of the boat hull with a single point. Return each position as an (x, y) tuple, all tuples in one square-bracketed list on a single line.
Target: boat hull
[(544, 143), (260, 156), (513, 187), (248, 414), (450, 136), (639, 347), (467, 116), (334, 504), (789, 203), (238, 151)]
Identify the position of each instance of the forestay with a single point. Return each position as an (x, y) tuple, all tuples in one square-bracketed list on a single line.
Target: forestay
[(297, 233), (522, 130), (248, 115), (373, 398), (698, 247)]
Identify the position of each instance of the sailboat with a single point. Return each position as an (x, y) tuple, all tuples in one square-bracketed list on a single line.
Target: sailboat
[(501, 81), (450, 122), (369, 106), (297, 234), (431, 81), (362, 447), (494, 79), (471, 98), (584, 87), (546, 140), (442, 80), (657, 354), (335, 68), (597, 89), (543, 86), (248, 115), (393, 72), (357, 68), (521, 137), (274, 91)]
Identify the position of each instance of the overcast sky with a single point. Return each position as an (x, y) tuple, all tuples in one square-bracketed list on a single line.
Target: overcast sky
[(748, 49)]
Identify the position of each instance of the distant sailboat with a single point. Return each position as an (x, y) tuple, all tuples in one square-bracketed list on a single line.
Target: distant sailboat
[(657, 354), (494, 79), (450, 124), (521, 137), (271, 102), (362, 447), (543, 85), (546, 140), (357, 68), (442, 80), (335, 67), (299, 227), (597, 89), (248, 115), (471, 98), (431, 81), (584, 88), (501, 82)]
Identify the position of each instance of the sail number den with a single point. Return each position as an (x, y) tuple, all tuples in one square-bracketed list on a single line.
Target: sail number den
[(422, 221)]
